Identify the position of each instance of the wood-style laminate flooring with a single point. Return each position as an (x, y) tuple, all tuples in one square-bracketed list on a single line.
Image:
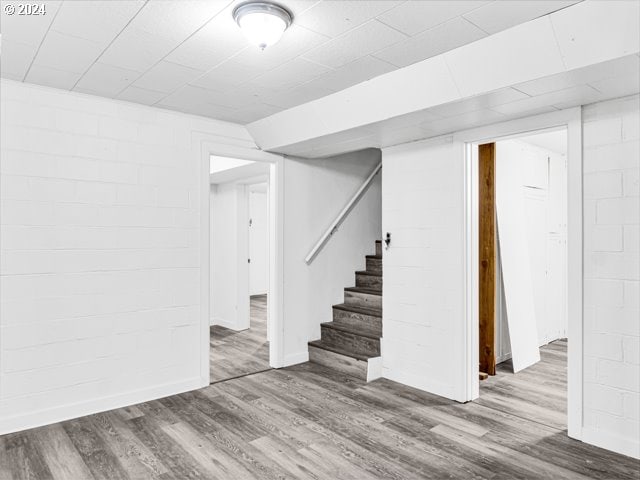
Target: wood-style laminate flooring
[(309, 422), (233, 354)]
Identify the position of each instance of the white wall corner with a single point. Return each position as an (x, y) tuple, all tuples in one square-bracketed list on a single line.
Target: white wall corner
[(295, 358)]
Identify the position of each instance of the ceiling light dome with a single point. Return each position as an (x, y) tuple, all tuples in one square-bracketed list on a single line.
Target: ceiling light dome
[(263, 23)]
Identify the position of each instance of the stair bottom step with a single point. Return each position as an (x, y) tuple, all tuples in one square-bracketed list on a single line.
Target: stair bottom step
[(359, 366)]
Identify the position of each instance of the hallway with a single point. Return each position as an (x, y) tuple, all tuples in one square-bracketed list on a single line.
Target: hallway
[(309, 422), (233, 354)]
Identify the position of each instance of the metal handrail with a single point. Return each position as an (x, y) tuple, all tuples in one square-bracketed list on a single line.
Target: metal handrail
[(333, 228)]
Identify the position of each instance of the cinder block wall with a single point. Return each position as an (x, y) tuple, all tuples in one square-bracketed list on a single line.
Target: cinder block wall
[(99, 241), (612, 273)]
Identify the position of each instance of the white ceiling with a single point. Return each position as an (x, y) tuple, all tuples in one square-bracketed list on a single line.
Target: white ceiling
[(552, 141), (188, 55)]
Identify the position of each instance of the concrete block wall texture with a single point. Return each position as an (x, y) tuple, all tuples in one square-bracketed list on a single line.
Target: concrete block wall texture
[(612, 271), (423, 206), (99, 252)]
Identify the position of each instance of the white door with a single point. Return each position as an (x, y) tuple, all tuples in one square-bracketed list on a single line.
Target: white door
[(258, 240), (515, 257)]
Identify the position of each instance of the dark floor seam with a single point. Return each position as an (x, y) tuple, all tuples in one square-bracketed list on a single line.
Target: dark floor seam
[(241, 376)]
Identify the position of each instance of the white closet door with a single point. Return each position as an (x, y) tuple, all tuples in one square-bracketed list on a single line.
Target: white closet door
[(516, 271)]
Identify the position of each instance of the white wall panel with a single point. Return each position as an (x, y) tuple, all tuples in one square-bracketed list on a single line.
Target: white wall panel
[(612, 275), (423, 302), (99, 258)]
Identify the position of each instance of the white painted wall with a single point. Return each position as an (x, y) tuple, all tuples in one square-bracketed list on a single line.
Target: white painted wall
[(423, 303), (258, 240), (229, 306), (99, 271), (315, 191), (424, 272), (611, 273), (542, 183)]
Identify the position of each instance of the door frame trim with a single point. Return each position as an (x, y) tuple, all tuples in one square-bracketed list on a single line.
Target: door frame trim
[(571, 119), (206, 145)]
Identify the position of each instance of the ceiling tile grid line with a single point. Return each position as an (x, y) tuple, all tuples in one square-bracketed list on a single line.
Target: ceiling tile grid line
[(110, 43), (162, 59), (41, 42)]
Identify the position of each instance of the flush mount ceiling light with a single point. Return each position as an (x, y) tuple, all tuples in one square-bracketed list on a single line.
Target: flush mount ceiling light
[(263, 23)]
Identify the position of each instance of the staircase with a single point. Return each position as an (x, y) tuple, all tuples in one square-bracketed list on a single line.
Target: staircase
[(351, 343)]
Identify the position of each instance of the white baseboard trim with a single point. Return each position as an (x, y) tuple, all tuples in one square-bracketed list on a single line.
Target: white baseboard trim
[(374, 368), (625, 446), (296, 358), (419, 382), (75, 410)]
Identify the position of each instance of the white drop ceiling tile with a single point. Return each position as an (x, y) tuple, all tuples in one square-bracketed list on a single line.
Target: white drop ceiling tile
[(166, 77), (51, 77), (96, 20), (582, 93), (466, 120), (416, 16), (479, 102), (618, 86), (191, 96), (512, 60), (106, 80), (140, 95), (296, 41), (209, 110), (28, 29), (298, 7), (362, 41), (548, 84), (352, 73), (67, 53), (214, 43), (228, 75), (176, 19), (15, 59), (607, 37), (297, 96), (290, 74), (446, 36), (135, 49), (333, 17), (252, 113), (502, 14)]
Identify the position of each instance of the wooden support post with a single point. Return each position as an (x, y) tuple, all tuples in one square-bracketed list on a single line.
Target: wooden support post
[(487, 253)]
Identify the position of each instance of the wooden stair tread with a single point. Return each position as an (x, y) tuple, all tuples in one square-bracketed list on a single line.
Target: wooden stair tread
[(360, 331), (379, 257), (339, 351), (369, 273), (368, 291), (362, 310)]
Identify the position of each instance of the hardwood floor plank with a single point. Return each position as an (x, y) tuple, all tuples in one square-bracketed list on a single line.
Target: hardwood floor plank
[(310, 422), (232, 353), (101, 461), (59, 453)]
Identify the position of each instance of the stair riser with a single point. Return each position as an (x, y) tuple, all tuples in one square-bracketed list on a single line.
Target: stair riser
[(350, 342), (368, 281), (379, 249), (355, 319), (365, 300), (374, 265), (350, 366)]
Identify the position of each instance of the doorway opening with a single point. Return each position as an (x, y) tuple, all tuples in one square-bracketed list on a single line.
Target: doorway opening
[(523, 274), (240, 280)]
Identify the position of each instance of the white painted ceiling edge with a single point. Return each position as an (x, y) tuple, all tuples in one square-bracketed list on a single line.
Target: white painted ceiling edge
[(583, 35), (249, 173)]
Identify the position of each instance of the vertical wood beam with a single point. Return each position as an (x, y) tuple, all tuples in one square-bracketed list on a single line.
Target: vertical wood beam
[(487, 256)]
